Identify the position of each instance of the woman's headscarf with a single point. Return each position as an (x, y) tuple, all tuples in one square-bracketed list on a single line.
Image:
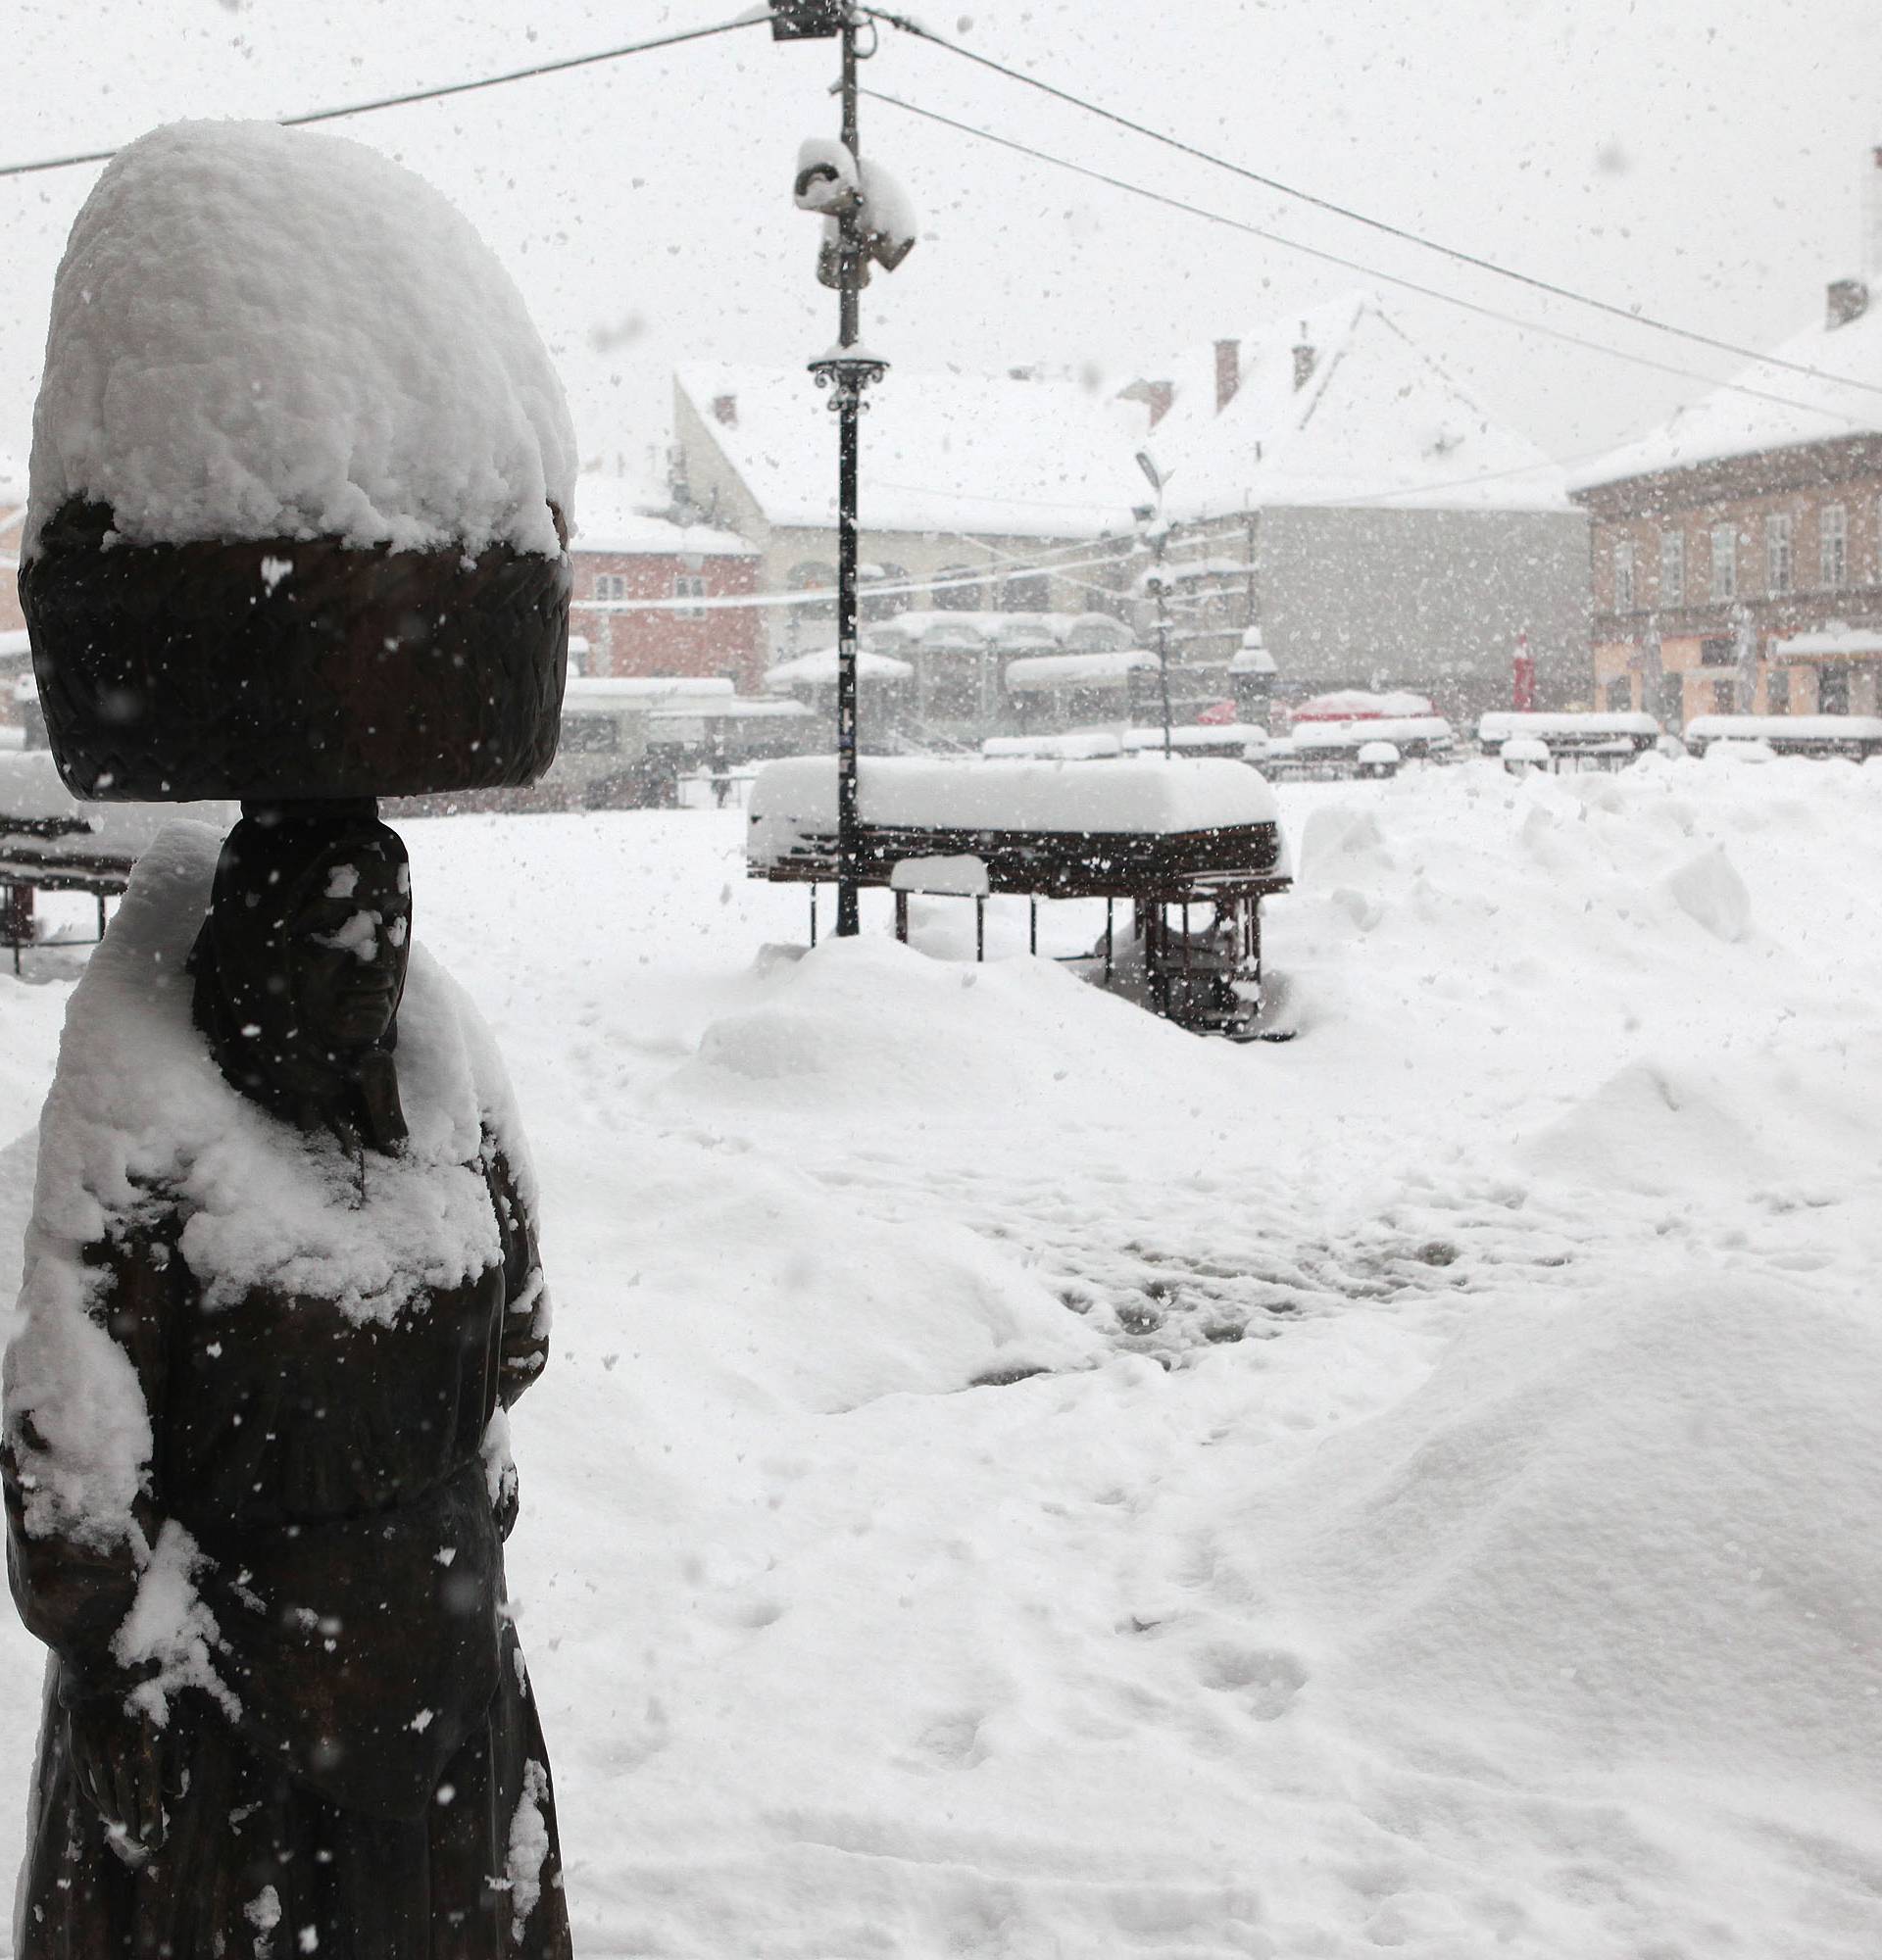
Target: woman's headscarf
[(244, 961)]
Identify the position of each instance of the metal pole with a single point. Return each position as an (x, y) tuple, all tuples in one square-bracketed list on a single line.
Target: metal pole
[(1163, 620), (848, 408)]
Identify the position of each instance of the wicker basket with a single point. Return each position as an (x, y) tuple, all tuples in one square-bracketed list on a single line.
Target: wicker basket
[(290, 667)]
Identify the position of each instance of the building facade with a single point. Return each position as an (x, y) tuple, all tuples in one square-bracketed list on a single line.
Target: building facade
[(1737, 550), (1703, 577), (655, 596), (1333, 491)]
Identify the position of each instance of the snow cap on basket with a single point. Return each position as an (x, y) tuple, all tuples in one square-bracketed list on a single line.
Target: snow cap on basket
[(261, 332)]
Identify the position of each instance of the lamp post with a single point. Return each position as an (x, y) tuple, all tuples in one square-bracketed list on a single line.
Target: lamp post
[(1156, 534), (833, 183)]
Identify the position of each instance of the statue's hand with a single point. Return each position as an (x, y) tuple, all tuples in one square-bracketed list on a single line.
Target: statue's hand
[(525, 1354), (125, 1766)]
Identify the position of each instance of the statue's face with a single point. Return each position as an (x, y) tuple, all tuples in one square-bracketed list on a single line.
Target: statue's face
[(348, 943)]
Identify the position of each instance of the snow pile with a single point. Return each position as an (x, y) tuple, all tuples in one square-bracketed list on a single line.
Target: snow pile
[(1445, 1525), (1708, 891), (261, 332), (1627, 1532), (139, 1114)]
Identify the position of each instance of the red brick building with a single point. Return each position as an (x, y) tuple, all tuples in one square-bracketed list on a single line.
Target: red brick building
[(629, 549), (1737, 550)]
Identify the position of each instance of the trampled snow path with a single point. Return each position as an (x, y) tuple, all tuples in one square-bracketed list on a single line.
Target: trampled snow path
[(1510, 1588)]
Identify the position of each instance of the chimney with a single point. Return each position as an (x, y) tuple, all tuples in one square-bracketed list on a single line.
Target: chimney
[(1304, 358), (1848, 299), (725, 410), (1872, 218), (1156, 396), (1228, 372)]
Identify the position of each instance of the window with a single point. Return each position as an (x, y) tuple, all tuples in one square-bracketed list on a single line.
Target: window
[(1624, 575), (689, 585), (953, 598), (1833, 691), (1619, 695), (1778, 692), (610, 585), (1725, 697), (1833, 547), (1718, 649), (883, 605), (1026, 591), (1672, 569), (1778, 573), (811, 576), (1725, 563)]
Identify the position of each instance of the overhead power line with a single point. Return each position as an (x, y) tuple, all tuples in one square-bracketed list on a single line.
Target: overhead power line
[(1355, 266), (764, 601), (1404, 233), (561, 65)]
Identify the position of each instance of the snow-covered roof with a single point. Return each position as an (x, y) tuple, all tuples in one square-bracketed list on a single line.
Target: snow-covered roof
[(615, 514), (938, 627), (1377, 421), (1078, 745), (1146, 796), (1497, 727), (1213, 738), (1728, 421), (1835, 642), (819, 669), (605, 691), (1357, 704), (1784, 728), (947, 451), (1040, 672), (1403, 729)]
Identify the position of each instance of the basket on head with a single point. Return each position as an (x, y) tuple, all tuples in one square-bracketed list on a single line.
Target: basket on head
[(291, 668)]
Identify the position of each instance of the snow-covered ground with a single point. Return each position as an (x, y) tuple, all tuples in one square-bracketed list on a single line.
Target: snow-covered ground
[(1443, 1516)]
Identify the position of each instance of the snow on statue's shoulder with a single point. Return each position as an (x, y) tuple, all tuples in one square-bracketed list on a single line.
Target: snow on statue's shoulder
[(261, 332), (140, 1125)]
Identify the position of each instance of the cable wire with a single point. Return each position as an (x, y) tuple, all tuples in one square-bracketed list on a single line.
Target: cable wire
[(435, 94), (1369, 272), (1381, 224)]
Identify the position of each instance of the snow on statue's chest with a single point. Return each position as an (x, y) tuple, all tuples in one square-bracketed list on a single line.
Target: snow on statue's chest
[(140, 1116), (142, 1137)]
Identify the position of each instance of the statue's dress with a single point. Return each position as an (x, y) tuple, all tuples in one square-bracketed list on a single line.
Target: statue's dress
[(358, 1772)]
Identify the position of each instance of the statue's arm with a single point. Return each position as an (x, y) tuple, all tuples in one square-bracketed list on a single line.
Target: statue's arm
[(74, 1589), (526, 1314)]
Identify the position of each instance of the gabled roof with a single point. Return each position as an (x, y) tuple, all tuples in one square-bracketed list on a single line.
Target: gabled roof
[(1729, 421), (616, 514), (942, 451), (1376, 422)]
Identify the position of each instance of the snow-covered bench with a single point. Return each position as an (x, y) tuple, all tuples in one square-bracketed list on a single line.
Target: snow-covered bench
[(1855, 736), (1608, 739), (49, 842), (1162, 834)]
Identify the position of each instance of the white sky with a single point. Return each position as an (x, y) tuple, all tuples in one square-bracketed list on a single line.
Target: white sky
[(1703, 162)]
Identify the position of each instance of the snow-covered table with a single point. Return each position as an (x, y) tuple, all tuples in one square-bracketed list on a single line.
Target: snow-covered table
[(1162, 834), (49, 842)]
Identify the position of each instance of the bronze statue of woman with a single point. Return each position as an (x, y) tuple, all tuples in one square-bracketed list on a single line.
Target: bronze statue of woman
[(286, 1712)]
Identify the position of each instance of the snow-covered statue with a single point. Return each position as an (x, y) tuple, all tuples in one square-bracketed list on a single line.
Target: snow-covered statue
[(300, 476)]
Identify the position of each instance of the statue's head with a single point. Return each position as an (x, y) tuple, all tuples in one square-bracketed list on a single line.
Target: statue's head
[(301, 963)]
